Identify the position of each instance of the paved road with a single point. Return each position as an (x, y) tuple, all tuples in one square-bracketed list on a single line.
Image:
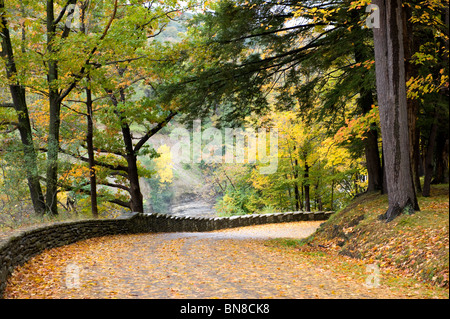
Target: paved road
[(234, 263)]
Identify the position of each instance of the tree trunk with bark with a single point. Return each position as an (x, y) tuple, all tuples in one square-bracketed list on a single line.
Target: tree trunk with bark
[(296, 192), (91, 155), (391, 90), (373, 162), (18, 95), (371, 152), (307, 188), (55, 120), (410, 45), (136, 201), (429, 156), (52, 155), (441, 174)]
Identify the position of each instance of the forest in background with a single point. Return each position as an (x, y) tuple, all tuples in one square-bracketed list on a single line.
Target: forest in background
[(86, 85)]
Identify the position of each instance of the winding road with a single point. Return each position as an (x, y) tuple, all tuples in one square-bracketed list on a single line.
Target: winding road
[(233, 263)]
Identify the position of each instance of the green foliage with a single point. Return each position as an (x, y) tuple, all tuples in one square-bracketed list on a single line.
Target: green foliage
[(161, 196), (241, 201), (308, 162), (233, 62)]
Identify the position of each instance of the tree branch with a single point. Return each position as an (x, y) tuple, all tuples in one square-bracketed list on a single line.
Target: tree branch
[(16, 127), (312, 25), (101, 150), (120, 203), (85, 191), (80, 74), (116, 186), (153, 131), (117, 167), (98, 65)]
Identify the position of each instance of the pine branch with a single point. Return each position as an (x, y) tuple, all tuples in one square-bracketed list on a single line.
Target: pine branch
[(302, 26)]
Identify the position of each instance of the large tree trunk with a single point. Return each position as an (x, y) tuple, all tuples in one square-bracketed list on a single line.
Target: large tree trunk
[(383, 172), (410, 45), (52, 155), (54, 124), (90, 129), (297, 196), (371, 152), (441, 174), (429, 156), (136, 202), (20, 105), (373, 162), (391, 90), (295, 168)]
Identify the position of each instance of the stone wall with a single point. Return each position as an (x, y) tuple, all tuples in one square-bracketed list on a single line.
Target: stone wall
[(24, 244), (167, 223)]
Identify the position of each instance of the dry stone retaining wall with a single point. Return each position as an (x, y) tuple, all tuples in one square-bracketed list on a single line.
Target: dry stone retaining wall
[(168, 223), (24, 244)]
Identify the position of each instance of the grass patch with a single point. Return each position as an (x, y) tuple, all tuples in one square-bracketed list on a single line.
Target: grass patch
[(285, 242)]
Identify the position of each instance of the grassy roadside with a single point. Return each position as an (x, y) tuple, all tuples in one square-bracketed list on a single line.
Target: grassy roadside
[(412, 251)]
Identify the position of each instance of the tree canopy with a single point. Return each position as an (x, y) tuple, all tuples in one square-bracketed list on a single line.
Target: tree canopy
[(85, 85)]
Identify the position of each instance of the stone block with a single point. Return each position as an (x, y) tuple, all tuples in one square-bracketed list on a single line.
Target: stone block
[(297, 216), (288, 217), (234, 221), (319, 215)]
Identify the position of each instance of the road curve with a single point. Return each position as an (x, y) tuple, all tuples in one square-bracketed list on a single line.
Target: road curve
[(233, 263)]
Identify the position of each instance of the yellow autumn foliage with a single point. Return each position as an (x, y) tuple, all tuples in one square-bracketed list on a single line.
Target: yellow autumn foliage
[(163, 164)]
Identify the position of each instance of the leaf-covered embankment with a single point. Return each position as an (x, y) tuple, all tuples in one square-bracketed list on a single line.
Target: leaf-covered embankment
[(414, 245)]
